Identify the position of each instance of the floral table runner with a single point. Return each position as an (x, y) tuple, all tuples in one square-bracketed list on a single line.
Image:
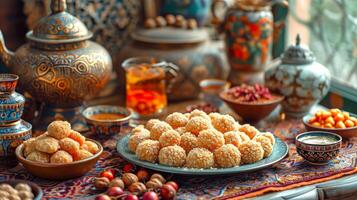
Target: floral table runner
[(292, 172)]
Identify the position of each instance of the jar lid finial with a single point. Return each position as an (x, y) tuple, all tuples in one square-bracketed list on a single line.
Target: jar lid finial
[(58, 6), (298, 40)]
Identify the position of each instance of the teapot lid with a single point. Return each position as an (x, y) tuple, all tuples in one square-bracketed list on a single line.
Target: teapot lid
[(298, 54), (59, 26)]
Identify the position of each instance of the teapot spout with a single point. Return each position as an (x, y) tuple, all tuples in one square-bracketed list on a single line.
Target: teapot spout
[(5, 54)]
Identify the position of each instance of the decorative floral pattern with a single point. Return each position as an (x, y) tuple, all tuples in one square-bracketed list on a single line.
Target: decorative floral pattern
[(248, 39), (289, 172)]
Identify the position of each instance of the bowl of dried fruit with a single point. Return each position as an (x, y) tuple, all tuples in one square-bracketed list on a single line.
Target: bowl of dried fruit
[(60, 153), (333, 120), (251, 102)]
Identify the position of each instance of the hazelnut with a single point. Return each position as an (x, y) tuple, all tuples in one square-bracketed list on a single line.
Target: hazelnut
[(154, 184), (143, 175), (160, 21), (101, 183), (26, 194), (23, 187), (117, 182), (192, 24), (137, 187), (150, 23), (171, 20), (129, 178), (159, 177)]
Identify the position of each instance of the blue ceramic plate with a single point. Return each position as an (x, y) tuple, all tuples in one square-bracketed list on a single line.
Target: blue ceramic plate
[(280, 151)]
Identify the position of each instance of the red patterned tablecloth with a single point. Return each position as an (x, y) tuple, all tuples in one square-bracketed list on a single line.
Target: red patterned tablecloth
[(292, 172)]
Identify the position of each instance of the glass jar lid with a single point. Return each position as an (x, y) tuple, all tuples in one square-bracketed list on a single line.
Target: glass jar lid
[(59, 26), (298, 54)]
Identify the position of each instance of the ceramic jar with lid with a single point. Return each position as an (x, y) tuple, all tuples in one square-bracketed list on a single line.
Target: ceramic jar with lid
[(302, 80), (190, 50), (13, 130)]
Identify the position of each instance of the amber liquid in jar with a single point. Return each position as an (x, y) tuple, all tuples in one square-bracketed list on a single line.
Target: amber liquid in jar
[(145, 89)]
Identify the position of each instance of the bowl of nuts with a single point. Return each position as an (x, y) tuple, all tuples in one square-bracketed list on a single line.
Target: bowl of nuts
[(20, 189), (333, 120), (251, 102)]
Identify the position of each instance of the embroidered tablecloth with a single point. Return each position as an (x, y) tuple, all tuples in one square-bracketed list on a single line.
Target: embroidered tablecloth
[(292, 172)]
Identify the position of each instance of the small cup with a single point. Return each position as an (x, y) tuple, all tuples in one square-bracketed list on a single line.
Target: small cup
[(318, 153), (8, 83), (105, 120), (211, 89)]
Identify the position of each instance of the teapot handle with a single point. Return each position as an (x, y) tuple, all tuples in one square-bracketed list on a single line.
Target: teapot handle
[(280, 22), (171, 72), (216, 5)]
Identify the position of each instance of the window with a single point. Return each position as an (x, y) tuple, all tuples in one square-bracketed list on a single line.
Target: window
[(329, 27)]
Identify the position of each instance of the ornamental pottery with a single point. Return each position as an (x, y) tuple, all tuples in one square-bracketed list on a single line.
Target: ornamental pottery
[(248, 28), (190, 50), (59, 66), (11, 102), (302, 80)]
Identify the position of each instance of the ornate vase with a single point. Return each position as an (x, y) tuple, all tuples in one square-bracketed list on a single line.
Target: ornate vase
[(302, 80), (190, 50), (59, 66), (13, 130), (248, 30), (197, 9)]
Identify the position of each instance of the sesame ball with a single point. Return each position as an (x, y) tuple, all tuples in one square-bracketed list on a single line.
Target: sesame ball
[(251, 152), (244, 137), (197, 124), (170, 138), (139, 129), (223, 123), (232, 137), (188, 141), (200, 158), (150, 123), (158, 129), (268, 135), (210, 139), (136, 139), (176, 120), (227, 155), (265, 143), (251, 131), (181, 130), (47, 145), (199, 113), (148, 150), (172, 156), (59, 129), (61, 157)]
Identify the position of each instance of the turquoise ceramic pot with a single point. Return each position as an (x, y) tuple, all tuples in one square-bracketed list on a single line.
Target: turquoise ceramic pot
[(197, 9), (302, 80), (11, 102), (12, 136)]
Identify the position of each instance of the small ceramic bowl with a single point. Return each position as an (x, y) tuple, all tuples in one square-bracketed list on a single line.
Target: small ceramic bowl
[(107, 127), (36, 190), (344, 132), (8, 83), (59, 171), (318, 153), (252, 111)]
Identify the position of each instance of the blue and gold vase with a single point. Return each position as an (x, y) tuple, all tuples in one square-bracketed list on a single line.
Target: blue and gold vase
[(302, 80), (13, 130)]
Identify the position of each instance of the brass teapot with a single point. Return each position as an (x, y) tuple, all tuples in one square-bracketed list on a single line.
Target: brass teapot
[(59, 66)]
